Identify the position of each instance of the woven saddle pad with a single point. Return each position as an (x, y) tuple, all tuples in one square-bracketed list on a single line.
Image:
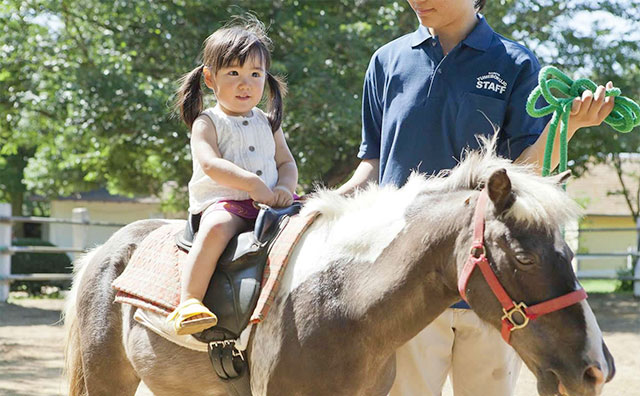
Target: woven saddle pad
[(151, 279)]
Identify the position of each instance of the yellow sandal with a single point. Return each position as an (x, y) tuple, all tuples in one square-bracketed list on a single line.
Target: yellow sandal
[(181, 317)]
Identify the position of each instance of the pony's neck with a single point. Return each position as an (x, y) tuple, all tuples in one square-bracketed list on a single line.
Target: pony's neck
[(415, 278)]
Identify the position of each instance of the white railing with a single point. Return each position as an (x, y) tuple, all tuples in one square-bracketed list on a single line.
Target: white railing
[(79, 224), (632, 256)]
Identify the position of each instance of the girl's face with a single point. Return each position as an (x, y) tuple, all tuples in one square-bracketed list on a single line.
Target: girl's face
[(438, 14), (238, 88)]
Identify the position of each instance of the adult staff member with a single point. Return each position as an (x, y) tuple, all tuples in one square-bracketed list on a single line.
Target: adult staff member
[(426, 96)]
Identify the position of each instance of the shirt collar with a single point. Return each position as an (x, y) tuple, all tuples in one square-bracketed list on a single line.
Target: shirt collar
[(479, 38), (420, 36), (481, 35)]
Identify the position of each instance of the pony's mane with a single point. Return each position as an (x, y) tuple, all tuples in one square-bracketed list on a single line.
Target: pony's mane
[(540, 201)]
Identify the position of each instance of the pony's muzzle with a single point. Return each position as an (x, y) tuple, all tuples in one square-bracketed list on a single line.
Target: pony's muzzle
[(594, 376), (590, 384)]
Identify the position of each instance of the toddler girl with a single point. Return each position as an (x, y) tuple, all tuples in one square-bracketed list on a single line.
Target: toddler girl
[(239, 155)]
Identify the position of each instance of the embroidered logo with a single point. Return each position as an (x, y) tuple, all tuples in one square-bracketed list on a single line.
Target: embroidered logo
[(492, 82)]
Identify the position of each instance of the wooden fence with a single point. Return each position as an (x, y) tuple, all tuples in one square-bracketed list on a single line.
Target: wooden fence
[(632, 256), (79, 224)]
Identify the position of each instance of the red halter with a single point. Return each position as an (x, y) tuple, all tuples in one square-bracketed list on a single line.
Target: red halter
[(477, 257)]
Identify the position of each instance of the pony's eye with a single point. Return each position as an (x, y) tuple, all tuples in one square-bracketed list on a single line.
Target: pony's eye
[(525, 258)]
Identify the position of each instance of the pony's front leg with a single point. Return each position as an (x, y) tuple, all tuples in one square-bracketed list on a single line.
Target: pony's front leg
[(281, 365)]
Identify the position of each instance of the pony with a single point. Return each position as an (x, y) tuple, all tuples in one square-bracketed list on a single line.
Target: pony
[(371, 272)]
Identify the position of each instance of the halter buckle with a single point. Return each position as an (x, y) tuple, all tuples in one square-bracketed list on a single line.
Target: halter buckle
[(478, 251), (517, 309)]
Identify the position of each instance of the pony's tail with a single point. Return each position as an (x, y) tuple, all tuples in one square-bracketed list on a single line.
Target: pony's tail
[(73, 369)]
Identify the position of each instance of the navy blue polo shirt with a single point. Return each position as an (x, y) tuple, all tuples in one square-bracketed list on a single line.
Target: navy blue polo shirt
[(421, 109)]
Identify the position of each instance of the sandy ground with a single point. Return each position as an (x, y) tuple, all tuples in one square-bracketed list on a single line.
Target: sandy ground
[(31, 340)]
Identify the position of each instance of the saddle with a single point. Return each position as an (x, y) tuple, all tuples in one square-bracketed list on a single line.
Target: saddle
[(234, 290), (235, 285)]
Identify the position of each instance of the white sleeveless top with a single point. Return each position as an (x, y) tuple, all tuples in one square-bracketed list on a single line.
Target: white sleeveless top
[(247, 142)]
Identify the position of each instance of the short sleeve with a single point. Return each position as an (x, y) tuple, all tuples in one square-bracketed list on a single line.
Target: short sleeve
[(371, 113), (520, 130)]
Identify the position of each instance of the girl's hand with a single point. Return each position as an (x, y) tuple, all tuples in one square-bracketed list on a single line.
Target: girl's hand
[(261, 193), (283, 197), (591, 109)]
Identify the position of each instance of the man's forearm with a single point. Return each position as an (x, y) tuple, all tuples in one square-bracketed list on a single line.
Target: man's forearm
[(534, 154), (366, 172)]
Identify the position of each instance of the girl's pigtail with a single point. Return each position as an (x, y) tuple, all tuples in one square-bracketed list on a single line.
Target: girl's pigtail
[(189, 96), (277, 91)]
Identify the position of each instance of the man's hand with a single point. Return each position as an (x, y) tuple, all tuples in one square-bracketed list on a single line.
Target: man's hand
[(591, 108)]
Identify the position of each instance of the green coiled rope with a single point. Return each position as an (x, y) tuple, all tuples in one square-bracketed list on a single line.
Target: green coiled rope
[(623, 118)]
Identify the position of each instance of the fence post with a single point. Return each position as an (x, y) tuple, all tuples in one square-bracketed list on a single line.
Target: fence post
[(636, 272), (572, 238), (5, 259), (79, 231)]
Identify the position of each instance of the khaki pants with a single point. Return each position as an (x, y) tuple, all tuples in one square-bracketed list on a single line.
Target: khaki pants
[(460, 344)]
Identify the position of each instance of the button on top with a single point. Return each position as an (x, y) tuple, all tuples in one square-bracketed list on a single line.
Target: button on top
[(245, 122), (259, 173), (251, 148), (439, 71), (433, 43)]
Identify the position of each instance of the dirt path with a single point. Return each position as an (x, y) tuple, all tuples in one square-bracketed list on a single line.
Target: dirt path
[(31, 347)]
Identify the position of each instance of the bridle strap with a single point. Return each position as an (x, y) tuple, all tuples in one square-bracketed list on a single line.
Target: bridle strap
[(556, 304), (477, 245), (540, 309), (478, 258)]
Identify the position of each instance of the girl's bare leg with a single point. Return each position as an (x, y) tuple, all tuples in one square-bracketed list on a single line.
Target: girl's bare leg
[(216, 229)]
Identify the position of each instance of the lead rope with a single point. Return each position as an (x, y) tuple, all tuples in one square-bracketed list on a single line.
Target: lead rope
[(623, 118)]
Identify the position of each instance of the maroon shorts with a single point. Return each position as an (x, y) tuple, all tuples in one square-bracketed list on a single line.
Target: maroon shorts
[(244, 208)]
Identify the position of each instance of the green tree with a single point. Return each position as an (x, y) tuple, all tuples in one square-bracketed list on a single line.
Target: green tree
[(88, 85), (26, 48)]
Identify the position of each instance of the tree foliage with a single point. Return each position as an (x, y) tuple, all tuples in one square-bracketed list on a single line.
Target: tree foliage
[(88, 86)]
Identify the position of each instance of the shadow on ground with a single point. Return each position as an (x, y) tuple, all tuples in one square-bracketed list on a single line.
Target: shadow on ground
[(19, 315), (618, 313)]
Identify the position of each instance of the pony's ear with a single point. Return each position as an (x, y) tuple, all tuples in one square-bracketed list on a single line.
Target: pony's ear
[(499, 189), (562, 178)]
